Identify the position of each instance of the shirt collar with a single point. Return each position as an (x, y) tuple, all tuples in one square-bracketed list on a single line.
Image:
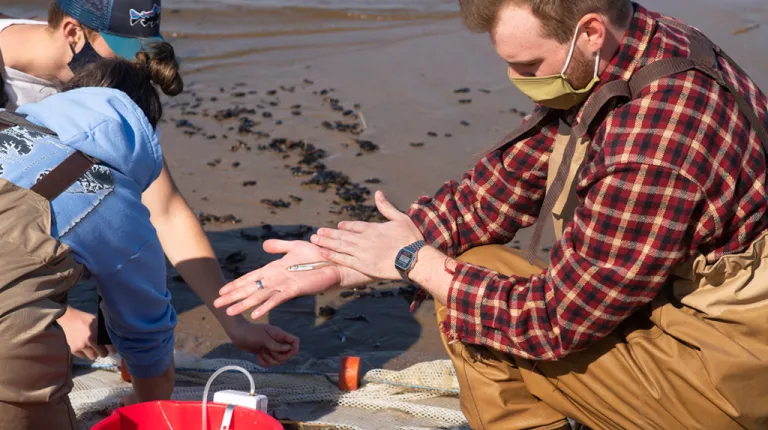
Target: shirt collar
[(630, 54)]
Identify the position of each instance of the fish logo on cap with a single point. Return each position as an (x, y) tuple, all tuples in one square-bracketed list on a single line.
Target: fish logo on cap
[(146, 18)]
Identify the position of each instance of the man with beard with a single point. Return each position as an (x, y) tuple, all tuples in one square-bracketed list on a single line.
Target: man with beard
[(647, 150)]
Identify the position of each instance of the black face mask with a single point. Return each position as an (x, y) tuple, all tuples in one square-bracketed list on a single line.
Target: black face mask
[(86, 56)]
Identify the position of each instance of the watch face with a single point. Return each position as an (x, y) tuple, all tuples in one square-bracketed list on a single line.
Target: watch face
[(403, 260)]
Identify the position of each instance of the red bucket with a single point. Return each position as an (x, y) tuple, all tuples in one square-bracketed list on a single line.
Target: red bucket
[(184, 416)]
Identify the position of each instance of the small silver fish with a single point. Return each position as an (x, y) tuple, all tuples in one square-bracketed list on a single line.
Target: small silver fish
[(309, 266)]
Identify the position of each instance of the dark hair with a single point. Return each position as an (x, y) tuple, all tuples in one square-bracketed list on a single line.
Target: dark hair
[(55, 15), (139, 79), (558, 17)]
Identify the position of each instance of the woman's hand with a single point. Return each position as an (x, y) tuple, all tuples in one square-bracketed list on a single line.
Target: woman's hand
[(271, 345), (280, 285)]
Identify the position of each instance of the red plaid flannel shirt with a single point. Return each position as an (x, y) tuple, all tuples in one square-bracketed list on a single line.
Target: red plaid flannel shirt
[(674, 174)]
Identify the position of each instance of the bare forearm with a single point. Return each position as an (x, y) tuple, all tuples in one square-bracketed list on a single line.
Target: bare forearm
[(430, 273), (189, 251), (157, 388), (185, 243)]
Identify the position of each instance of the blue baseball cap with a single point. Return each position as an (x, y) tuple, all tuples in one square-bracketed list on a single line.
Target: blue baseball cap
[(126, 25)]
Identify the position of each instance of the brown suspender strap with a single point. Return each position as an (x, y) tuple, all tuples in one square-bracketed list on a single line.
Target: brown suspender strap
[(13, 120), (534, 121), (62, 176), (705, 64), (594, 106)]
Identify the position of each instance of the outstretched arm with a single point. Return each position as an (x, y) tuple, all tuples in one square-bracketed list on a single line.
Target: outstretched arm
[(188, 249)]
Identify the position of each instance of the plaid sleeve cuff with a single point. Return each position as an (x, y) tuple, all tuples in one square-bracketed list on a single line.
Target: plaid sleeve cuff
[(482, 305), (463, 321), (479, 313)]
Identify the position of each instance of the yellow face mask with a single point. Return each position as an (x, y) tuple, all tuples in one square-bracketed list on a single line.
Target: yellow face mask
[(555, 91)]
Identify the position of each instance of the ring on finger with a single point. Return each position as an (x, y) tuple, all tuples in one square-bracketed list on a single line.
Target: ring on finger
[(259, 285)]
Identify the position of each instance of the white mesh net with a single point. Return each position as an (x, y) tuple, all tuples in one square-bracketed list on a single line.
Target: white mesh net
[(424, 396)]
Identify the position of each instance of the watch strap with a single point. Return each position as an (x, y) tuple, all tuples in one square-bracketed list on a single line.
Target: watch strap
[(413, 249)]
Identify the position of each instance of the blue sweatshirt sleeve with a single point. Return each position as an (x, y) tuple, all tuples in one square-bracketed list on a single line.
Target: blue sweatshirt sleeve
[(138, 312)]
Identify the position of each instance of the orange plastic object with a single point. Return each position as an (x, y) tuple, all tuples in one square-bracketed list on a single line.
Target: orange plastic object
[(124, 372), (170, 415), (349, 373)]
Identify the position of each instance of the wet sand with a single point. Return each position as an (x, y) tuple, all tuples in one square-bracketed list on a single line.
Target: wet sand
[(402, 69)]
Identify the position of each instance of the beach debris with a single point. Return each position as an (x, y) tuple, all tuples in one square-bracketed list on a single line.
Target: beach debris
[(272, 92), (276, 204), (246, 126), (461, 91), (215, 162), (746, 29), (240, 144), (353, 193), (249, 183), (448, 135), (367, 146), (359, 318), (417, 144), (326, 312), (235, 164), (465, 123), (234, 112), (431, 134), (482, 90), (465, 101), (238, 94), (362, 120), (325, 178), (373, 181), (185, 123), (206, 219), (361, 212), (296, 199)]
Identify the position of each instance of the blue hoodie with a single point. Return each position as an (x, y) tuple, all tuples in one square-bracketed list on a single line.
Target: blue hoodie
[(101, 216)]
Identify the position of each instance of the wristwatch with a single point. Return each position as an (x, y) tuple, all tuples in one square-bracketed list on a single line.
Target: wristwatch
[(406, 259)]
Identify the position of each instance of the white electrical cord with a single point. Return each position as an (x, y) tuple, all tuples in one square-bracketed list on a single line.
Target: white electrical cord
[(208, 386)]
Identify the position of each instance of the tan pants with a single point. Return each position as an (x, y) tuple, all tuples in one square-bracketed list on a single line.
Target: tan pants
[(676, 372), (36, 272)]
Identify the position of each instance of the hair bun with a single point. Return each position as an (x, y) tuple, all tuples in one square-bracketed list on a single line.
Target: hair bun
[(160, 60)]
